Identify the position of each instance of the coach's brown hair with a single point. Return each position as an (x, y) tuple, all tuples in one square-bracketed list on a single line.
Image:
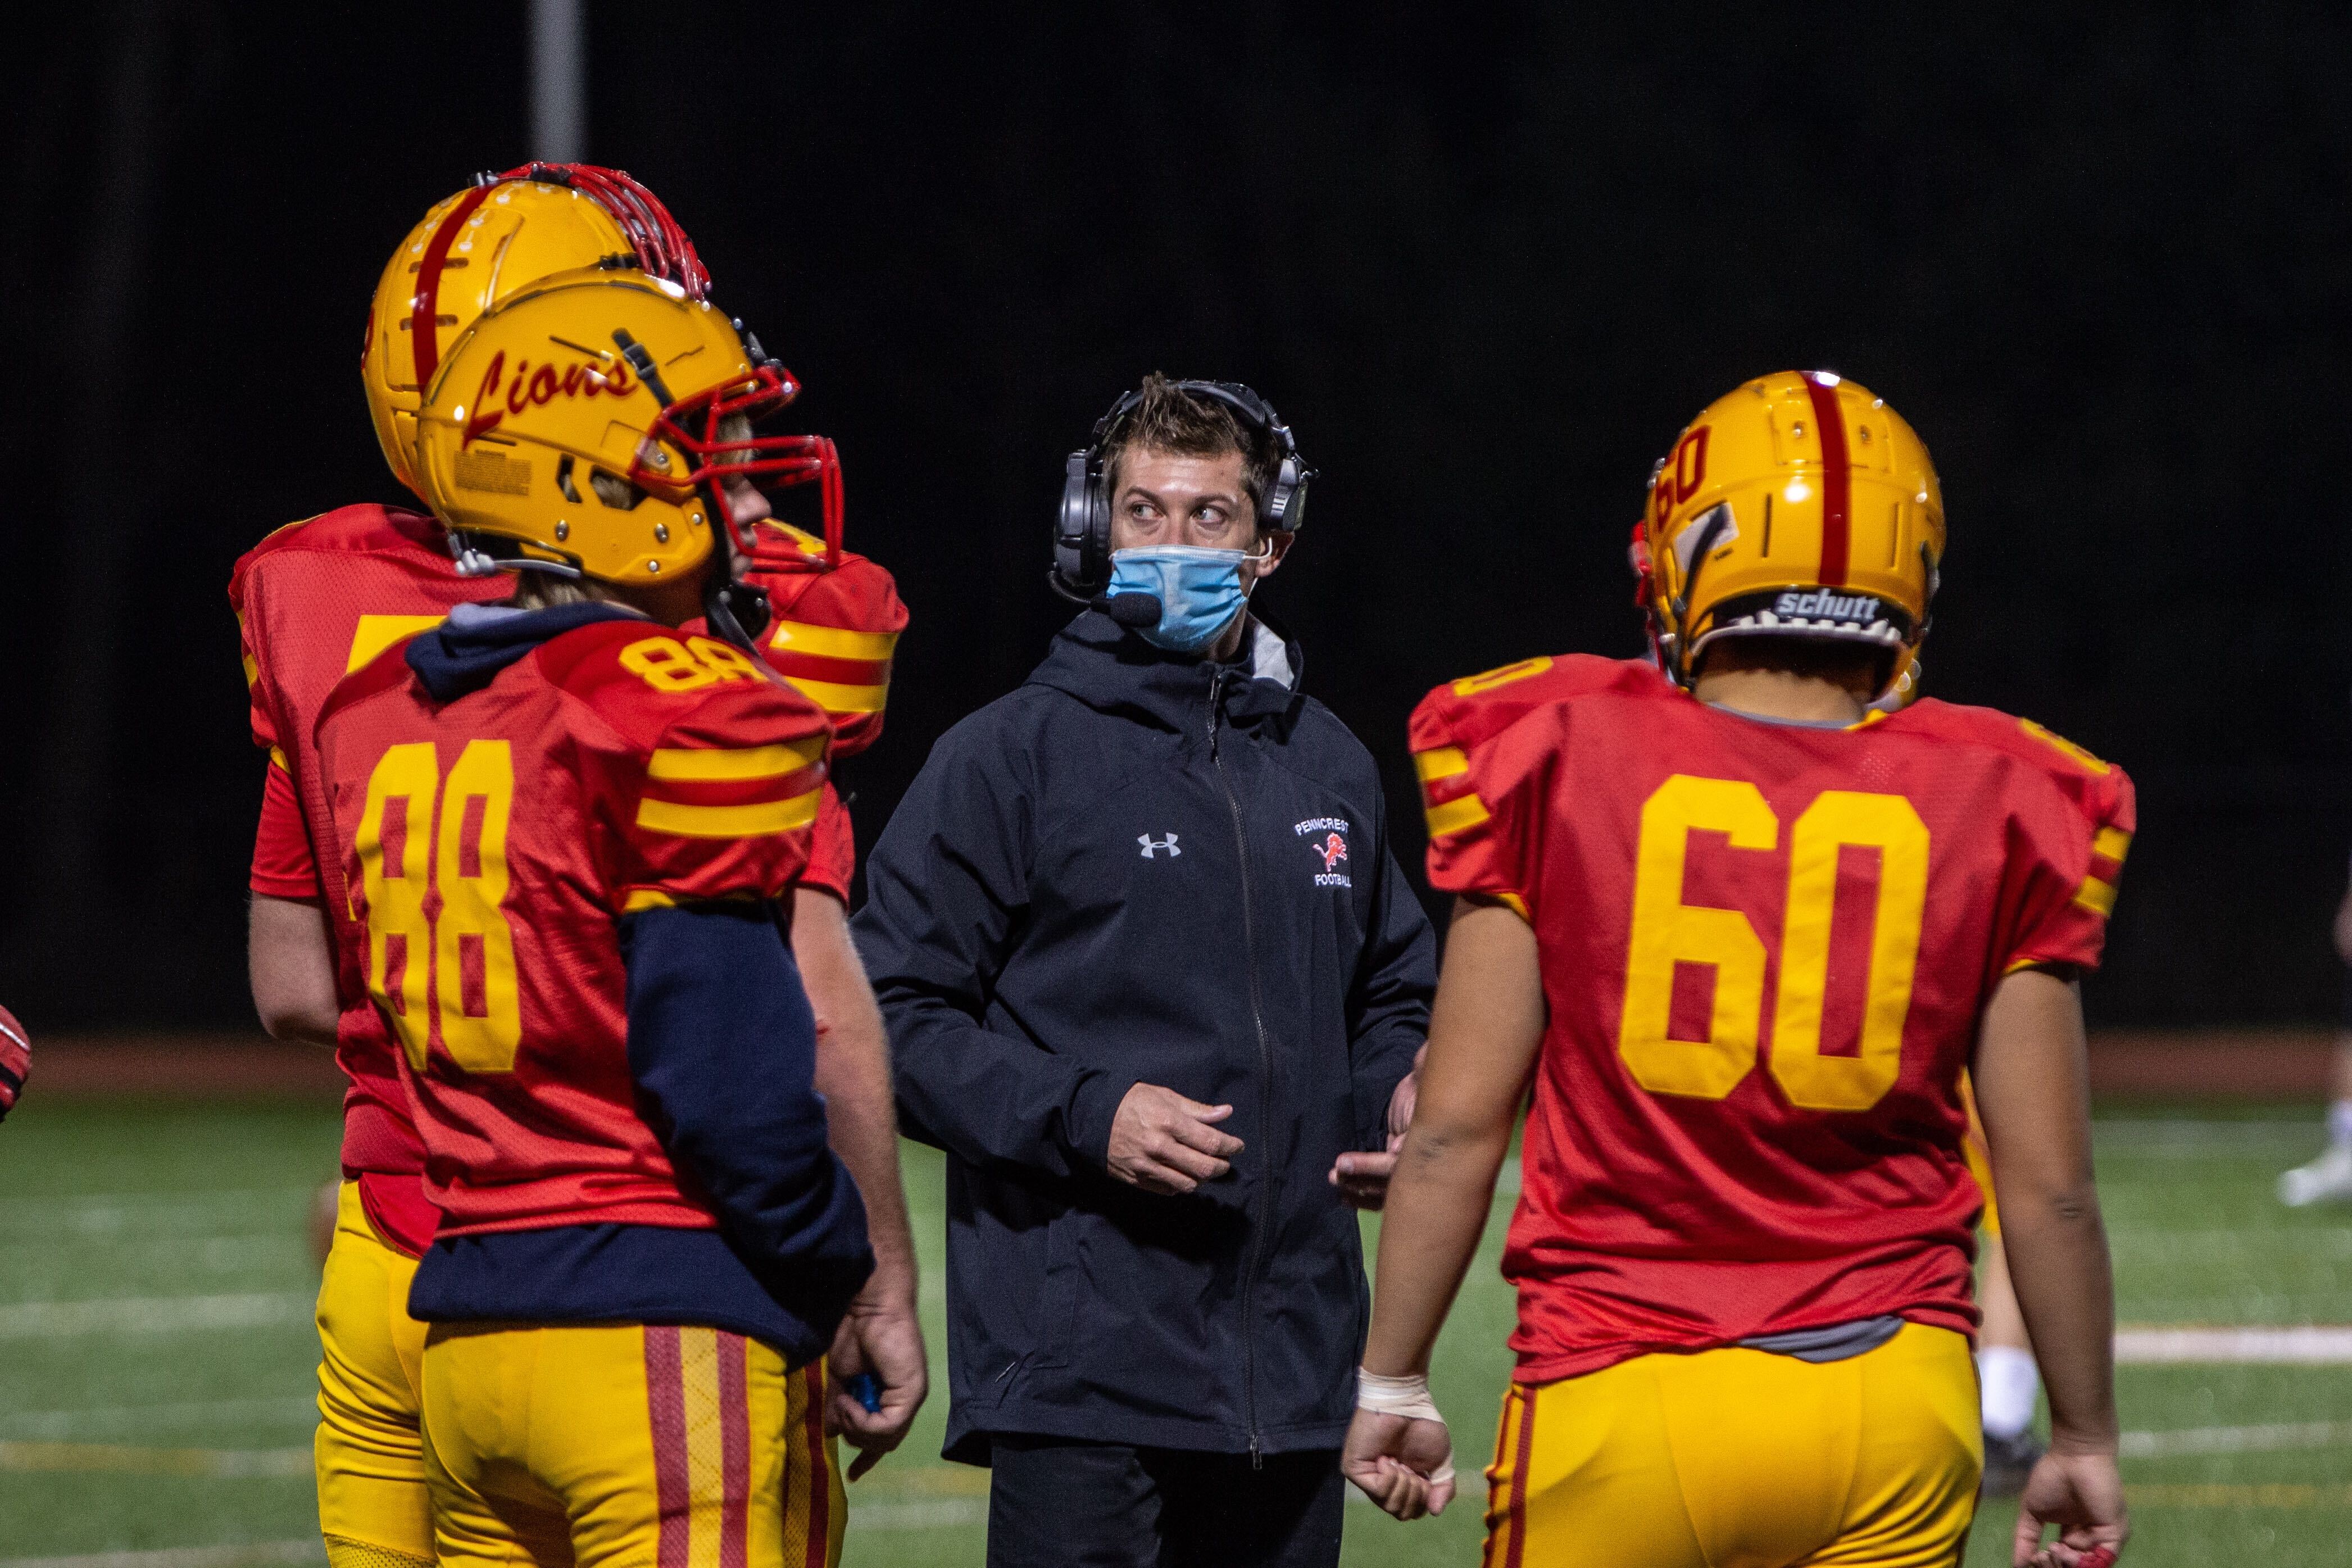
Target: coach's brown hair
[(1170, 419)]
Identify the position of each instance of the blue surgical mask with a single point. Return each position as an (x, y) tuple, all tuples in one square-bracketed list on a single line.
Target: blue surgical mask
[(1200, 592)]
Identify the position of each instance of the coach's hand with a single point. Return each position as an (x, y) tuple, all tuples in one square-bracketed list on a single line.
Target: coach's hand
[(1363, 1179), (1393, 1458), (1161, 1142), (2083, 1495), (880, 1335)]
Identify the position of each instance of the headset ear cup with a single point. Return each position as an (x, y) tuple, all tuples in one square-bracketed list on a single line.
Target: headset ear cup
[(1072, 524), (1097, 545), (1286, 504)]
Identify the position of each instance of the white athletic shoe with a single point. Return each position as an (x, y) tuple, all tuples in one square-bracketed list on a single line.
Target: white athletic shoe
[(2327, 1179)]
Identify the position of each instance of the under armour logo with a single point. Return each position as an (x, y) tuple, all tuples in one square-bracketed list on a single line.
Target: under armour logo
[(1152, 846)]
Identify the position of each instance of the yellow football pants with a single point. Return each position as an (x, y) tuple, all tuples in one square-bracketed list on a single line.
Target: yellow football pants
[(630, 1445), (1740, 1459), (373, 1505)]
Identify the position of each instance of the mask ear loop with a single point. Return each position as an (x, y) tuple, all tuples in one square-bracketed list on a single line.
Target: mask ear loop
[(1250, 582)]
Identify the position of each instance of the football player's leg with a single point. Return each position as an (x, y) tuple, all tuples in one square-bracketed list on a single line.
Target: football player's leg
[(488, 1509), (372, 1506), (1584, 1476), (2007, 1376), (670, 1447), (815, 1508), (2328, 1179), (1916, 1458), (1764, 1448)]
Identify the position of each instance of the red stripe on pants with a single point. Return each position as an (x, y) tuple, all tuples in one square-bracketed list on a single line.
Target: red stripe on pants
[(734, 1453), (820, 1484), (1519, 1479), (1837, 480), (1486, 1549), (665, 1409)]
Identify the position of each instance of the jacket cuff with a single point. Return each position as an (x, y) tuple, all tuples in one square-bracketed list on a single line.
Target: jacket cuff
[(1094, 1107)]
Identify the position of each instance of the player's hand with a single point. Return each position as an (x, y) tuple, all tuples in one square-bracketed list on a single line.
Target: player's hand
[(2083, 1495), (1393, 1458), (881, 1337), (1161, 1142), (1363, 1179)]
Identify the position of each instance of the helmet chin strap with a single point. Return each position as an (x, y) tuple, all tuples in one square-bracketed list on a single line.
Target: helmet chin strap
[(473, 560), (737, 611)]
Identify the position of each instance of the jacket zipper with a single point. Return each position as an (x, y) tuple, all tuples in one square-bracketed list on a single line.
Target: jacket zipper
[(1266, 1087)]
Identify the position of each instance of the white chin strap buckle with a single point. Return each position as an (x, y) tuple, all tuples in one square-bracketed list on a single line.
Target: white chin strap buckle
[(472, 563)]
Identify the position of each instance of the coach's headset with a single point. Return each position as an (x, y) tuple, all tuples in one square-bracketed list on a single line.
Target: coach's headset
[(1082, 533)]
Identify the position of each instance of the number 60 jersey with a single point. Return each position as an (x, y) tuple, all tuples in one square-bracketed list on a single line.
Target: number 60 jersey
[(1766, 947)]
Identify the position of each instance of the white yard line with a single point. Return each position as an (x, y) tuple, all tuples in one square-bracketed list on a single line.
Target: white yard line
[(115, 1214), (151, 1315), (2183, 1129), (253, 1554), (2310, 1346), (2237, 1439), (946, 1513), (137, 1420), (2330, 1245), (212, 1464)]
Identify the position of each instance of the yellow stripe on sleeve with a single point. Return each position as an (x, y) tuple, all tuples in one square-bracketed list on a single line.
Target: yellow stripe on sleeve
[(655, 898), (2097, 896), (836, 698), (809, 543), (2112, 842), (1467, 811), (718, 765), (1515, 905), (833, 641), (728, 821), (252, 669), (1439, 762), (374, 633), (279, 758)]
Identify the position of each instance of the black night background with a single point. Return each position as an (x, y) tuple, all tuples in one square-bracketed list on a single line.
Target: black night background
[(1485, 259)]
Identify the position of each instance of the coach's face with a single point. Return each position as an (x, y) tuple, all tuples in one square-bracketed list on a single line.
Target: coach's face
[(1169, 498)]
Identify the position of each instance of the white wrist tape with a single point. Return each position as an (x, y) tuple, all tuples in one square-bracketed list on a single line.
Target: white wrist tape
[(1406, 1396)]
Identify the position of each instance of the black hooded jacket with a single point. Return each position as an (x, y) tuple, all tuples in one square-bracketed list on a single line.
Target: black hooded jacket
[(1142, 867)]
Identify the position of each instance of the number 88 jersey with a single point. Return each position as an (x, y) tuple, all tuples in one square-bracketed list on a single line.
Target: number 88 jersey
[(493, 841), (1766, 947)]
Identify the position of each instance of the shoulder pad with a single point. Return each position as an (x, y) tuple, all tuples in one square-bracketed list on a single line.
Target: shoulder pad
[(646, 680), (2101, 789), (1476, 708), (387, 670), (722, 766), (367, 528), (834, 633)]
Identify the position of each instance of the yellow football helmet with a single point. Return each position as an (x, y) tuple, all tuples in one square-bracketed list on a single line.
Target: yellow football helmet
[(501, 235), (1799, 506), (575, 429)]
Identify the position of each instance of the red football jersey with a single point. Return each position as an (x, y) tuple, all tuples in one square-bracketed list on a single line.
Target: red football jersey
[(833, 848), (836, 632), (491, 845), (1766, 948), (314, 601)]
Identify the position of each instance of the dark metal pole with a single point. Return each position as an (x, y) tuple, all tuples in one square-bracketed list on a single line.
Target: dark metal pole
[(558, 81)]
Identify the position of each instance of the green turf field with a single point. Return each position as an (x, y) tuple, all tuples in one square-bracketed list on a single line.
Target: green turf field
[(156, 1353)]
